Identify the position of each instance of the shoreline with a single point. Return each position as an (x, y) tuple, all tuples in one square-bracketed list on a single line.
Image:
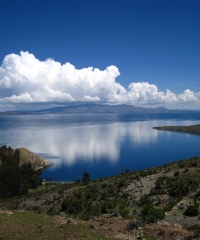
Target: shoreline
[(192, 129)]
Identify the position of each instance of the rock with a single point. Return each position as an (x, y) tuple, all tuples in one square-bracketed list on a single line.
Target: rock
[(62, 214)]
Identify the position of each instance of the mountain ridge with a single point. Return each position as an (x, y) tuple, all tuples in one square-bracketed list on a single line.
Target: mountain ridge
[(96, 108)]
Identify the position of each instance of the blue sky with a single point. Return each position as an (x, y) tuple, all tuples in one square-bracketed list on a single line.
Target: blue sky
[(152, 46)]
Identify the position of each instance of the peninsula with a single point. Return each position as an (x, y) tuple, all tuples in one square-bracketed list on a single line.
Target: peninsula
[(193, 129), (26, 157)]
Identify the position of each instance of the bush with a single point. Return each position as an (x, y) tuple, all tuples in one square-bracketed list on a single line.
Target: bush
[(104, 207), (85, 216), (169, 207), (178, 187), (132, 225), (151, 214), (145, 200), (122, 183), (176, 173), (160, 184), (182, 163), (191, 211), (124, 212)]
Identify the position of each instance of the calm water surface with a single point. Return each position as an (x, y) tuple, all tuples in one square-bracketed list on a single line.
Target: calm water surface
[(102, 145)]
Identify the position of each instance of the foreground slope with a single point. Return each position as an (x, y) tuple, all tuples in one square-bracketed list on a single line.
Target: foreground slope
[(157, 203)]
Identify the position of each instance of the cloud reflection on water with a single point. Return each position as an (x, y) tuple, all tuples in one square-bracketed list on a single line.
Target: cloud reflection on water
[(67, 144)]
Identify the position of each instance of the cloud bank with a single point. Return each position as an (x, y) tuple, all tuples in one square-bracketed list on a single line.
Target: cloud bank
[(24, 79)]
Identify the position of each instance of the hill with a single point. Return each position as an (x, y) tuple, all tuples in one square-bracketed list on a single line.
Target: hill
[(156, 203), (25, 157), (36, 162)]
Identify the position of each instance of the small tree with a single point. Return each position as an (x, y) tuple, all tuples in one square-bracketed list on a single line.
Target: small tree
[(86, 177)]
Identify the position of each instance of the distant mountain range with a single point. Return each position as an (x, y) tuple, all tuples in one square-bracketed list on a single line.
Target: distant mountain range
[(95, 108)]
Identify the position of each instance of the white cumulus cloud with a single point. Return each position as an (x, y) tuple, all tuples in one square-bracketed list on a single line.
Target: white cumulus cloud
[(26, 79)]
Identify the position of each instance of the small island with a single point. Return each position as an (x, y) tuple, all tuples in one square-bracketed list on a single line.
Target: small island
[(193, 129)]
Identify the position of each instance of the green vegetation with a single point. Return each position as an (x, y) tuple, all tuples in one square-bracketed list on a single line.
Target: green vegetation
[(86, 178), (106, 196), (170, 205), (178, 185), (191, 211), (125, 212), (30, 225), (183, 163), (127, 195), (95, 199), (195, 228), (15, 179), (151, 214)]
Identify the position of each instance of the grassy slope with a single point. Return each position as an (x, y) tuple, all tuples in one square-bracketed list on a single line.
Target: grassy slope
[(29, 225)]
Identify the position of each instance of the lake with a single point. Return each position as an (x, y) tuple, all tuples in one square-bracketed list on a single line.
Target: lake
[(101, 144)]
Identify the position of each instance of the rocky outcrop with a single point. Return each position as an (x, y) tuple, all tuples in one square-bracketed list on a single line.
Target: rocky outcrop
[(142, 186), (37, 162)]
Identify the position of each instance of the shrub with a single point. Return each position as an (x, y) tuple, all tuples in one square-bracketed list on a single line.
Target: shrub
[(145, 200), (122, 183), (191, 211), (104, 207), (176, 173), (124, 212), (85, 216), (171, 205), (178, 187), (182, 163), (160, 184), (151, 214), (35, 208), (132, 225)]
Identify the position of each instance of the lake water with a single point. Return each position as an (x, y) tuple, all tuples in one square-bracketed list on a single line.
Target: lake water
[(101, 144)]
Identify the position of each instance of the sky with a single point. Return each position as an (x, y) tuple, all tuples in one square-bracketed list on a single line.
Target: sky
[(139, 52)]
